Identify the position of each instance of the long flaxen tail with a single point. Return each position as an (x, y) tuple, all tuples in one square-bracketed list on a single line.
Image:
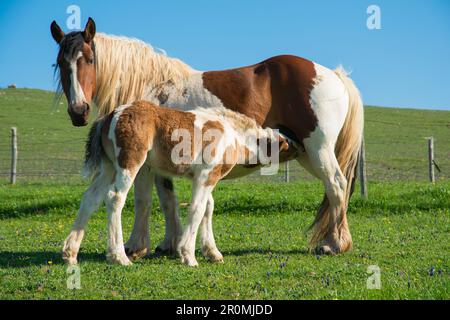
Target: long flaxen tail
[(94, 150), (347, 151)]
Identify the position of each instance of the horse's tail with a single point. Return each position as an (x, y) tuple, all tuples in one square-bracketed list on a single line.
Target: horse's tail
[(349, 140), (94, 150), (347, 151)]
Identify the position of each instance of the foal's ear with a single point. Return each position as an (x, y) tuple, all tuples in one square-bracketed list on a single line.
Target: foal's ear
[(56, 31), (89, 30)]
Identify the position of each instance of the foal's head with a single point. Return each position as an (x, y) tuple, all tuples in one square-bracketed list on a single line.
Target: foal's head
[(76, 63)]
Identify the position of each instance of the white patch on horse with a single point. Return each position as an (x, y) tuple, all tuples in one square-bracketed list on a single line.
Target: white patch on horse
[(76, 92), (188, 96), (112, 128), (329, 101)]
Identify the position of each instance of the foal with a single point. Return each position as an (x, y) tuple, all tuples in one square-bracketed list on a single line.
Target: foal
[(138, 140)]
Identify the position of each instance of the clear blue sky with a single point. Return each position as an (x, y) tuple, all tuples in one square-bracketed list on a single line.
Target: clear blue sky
[(405, 64)]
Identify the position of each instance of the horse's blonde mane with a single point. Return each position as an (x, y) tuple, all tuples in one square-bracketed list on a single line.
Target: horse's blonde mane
[(126, 68)]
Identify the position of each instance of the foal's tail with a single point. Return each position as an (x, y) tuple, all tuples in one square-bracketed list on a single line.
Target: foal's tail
[(94, 149), (346, 150)]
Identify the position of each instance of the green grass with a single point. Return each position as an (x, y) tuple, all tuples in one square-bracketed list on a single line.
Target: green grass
[(403, 228)]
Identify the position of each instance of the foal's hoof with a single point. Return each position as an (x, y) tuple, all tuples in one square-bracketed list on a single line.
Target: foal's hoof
[(213, 256), (71, 261), (189, 261), (325, 250), (69, 258), (136, 254), (114, 258), (160, 250)]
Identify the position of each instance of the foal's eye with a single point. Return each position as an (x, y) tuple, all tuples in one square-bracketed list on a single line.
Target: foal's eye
[(90, 61)]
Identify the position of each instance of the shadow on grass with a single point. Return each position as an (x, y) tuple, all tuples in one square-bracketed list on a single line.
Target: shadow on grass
[(266, 251), (40, 258), (20, 211)]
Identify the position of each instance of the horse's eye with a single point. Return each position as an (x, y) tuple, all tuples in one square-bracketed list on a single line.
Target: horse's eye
[(90, 61)]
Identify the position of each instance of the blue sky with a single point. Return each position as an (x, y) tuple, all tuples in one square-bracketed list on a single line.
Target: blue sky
[(405, 64)]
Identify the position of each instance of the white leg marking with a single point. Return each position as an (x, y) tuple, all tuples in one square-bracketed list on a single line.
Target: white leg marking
[(209, 248)]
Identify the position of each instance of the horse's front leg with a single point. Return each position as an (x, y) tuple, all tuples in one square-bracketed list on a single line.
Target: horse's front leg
[(186, 247), (139, 243), (169, 206), (115, 200)]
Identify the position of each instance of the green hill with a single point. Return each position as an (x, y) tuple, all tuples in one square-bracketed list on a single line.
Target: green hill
[(51, 148)]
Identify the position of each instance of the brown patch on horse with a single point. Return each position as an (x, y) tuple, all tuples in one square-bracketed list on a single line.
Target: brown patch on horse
[(211, 127), (273, 92), (229, 160), (136, 129)]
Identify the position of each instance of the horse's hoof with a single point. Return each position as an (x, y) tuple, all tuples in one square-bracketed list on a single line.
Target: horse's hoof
[(189, 261), (118, 259), (71, 261), (164, 251), (325, 250), (213, 256), (136, 254)]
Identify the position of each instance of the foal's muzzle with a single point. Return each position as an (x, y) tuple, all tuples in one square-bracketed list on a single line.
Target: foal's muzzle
[(79, 114)]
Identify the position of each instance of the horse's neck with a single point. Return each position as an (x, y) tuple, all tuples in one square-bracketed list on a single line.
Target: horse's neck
[(185, 96)]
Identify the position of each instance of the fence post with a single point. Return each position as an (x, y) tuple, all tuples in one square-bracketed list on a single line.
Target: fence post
[(362, 169), (286, 171), (13, 155), (431, 159)]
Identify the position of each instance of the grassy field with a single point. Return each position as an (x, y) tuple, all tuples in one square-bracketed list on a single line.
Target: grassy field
[(260, 223), (403, 229)]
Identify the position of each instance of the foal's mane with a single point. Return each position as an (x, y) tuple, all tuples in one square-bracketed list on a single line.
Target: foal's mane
[(127, 68)]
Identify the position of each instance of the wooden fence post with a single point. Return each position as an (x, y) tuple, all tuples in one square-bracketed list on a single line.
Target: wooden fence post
[(13, 155), (431, 159), (286, 171), (362, 169)]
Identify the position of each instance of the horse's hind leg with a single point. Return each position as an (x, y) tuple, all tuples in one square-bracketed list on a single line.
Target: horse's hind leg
[(139, 243), (330, 229), (90, 202), (209, 248), (169, 205)]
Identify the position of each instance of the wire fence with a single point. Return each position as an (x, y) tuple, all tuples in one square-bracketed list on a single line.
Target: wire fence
[(386, 159)]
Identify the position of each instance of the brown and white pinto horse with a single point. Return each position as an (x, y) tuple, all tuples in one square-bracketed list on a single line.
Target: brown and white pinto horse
[(319, 108), (138, 140)]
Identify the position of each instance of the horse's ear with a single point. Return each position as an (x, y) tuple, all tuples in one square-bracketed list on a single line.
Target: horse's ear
[(89, 30), (56, 31)]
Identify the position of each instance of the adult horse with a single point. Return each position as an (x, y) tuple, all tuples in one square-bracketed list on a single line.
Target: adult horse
[(319, 108)]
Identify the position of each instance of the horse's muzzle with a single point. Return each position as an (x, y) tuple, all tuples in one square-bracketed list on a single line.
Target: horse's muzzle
[(79, 114)]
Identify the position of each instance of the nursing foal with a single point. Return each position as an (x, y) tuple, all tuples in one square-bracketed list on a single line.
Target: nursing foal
[(138, 140)]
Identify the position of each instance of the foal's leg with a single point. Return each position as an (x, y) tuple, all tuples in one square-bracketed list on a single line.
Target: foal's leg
[(139, 243), (115, 200), (209, 248), (186, 247), (169, 205), (90, 202)]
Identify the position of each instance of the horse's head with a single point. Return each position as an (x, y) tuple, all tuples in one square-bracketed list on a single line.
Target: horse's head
[(76, 63)]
